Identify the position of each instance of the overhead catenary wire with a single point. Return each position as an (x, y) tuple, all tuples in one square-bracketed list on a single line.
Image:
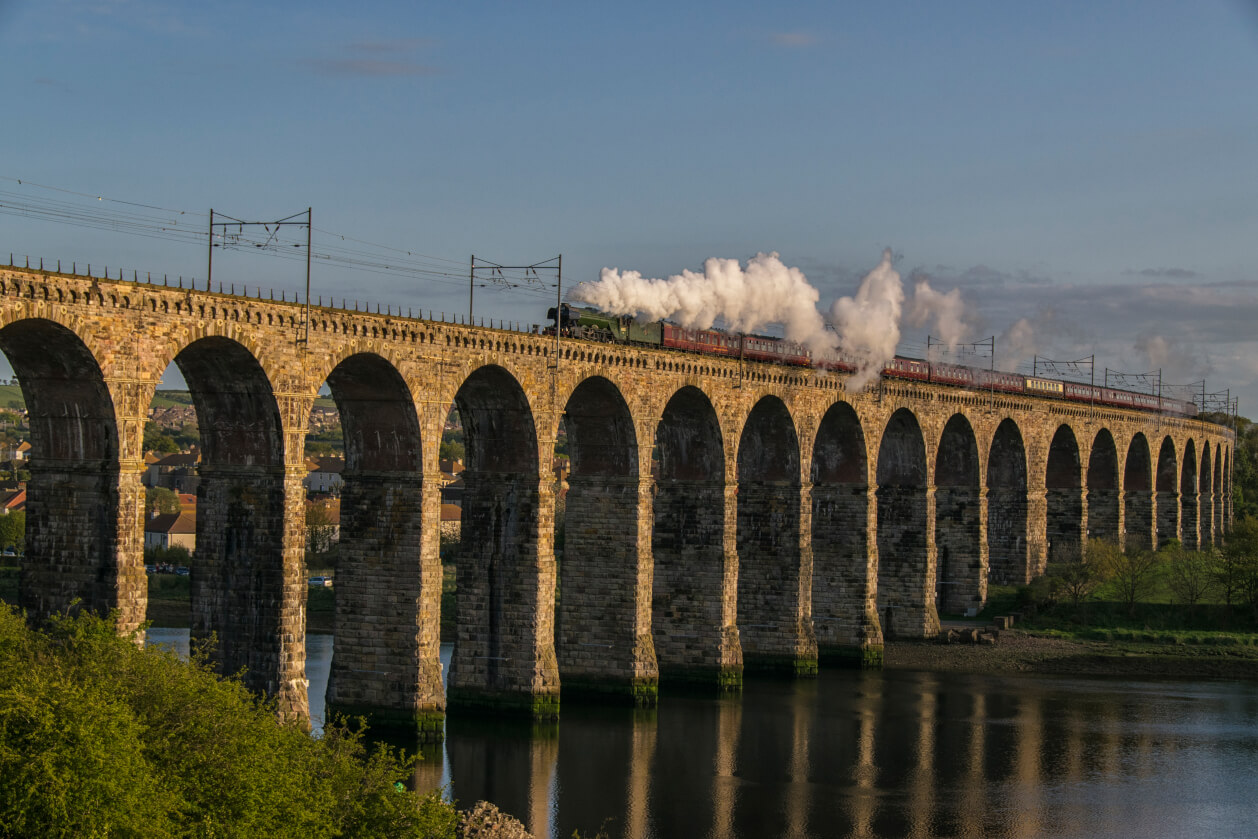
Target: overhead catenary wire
[(156, 222)]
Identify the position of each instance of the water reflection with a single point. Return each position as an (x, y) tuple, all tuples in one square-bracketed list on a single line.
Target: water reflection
[(871, 755)]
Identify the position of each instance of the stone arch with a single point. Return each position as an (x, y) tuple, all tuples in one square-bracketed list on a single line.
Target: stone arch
[(605, 575), (1104, 498), (248, 586), (961, 561), (774, 569), (1008, 556), (1166, 498), (504, 652), (1063, 484), (844, 566), (386, 662), (1206, 498), (906, 586), (1138, 495), (82, 513), (1188, 501), (693, 621)]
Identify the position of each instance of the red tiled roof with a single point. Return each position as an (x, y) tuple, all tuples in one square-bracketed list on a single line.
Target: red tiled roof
[(184, 521)]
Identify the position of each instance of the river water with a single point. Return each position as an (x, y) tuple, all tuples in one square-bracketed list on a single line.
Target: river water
[(868, 754)]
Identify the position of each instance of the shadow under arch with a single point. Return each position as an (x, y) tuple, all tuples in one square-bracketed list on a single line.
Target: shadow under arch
[(504, 655), (1222, 498), (1063, 485), (386, 662), (1138, 496), (906, 586), (1008, 552), (961, 560), (774, 566), (692, 614), (248, 581), (845, 570), (1188, 501), (1104, 501), (84, 539), (1205, 495), (603, 623), (1166, 498)]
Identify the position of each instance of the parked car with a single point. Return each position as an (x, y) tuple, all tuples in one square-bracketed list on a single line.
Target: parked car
[(183, 571), (321, 582)]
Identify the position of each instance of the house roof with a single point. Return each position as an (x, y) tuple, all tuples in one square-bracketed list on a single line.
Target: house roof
[(13, 500), (180, 459), (451, 512), (334, 465), (185, 521)]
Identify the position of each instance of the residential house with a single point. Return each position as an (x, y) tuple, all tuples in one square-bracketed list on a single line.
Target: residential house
[(451, 482), (176, 471), (169, 530), (323, 475)]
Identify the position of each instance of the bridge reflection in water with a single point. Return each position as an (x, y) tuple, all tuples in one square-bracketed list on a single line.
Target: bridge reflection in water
[(869, 754), (885, 754)]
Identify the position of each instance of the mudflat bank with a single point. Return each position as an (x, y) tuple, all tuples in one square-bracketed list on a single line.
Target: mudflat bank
[(1022, 652)]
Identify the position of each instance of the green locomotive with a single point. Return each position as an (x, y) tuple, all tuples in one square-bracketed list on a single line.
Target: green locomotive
[(593, 325)]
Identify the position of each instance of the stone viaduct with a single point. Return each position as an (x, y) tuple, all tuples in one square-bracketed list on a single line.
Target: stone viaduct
[(720, 515)]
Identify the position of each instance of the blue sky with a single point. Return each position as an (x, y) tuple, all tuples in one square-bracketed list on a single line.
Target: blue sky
[(1090, 167)]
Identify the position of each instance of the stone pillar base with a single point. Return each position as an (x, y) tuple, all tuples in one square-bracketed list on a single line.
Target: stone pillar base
[(698, 678), (863, 656), (539, 707), (639, 693), (791, 666)]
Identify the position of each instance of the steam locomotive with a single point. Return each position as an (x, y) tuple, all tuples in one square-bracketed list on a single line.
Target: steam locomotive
[(593, 325)]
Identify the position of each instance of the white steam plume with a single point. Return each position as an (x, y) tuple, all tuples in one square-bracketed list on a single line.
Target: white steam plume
[(765, 292), (1017, 342), (946, 310), (869, 323)]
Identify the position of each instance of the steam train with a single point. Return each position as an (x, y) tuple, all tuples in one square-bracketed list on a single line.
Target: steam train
[(593, 325)]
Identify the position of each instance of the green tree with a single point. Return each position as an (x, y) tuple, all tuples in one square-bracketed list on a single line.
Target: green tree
[(451, 449), (1078, 577), (1190, 575), (1133, 574), (13, 531), (161, 500), (101, 737), (1238, 561), (157, 440)]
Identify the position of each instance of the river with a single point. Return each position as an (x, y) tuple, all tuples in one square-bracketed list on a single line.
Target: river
[(868, 754)]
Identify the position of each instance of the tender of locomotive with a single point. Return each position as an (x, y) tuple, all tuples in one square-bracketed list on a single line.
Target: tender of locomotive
[(593, 325)]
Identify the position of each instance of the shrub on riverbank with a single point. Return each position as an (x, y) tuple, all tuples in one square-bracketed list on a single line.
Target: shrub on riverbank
[(101, 737)]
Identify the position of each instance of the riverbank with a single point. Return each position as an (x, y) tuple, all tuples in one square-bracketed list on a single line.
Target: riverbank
[(1026, 652)]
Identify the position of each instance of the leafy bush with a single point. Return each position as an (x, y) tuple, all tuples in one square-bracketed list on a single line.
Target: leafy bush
[(101, 737)]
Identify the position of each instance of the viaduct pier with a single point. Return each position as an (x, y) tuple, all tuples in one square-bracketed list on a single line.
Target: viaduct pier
[(721, 515)]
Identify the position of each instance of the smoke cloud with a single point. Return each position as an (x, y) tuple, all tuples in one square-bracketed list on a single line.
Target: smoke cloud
[(866, 325), (945, 310), (747, 300)]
